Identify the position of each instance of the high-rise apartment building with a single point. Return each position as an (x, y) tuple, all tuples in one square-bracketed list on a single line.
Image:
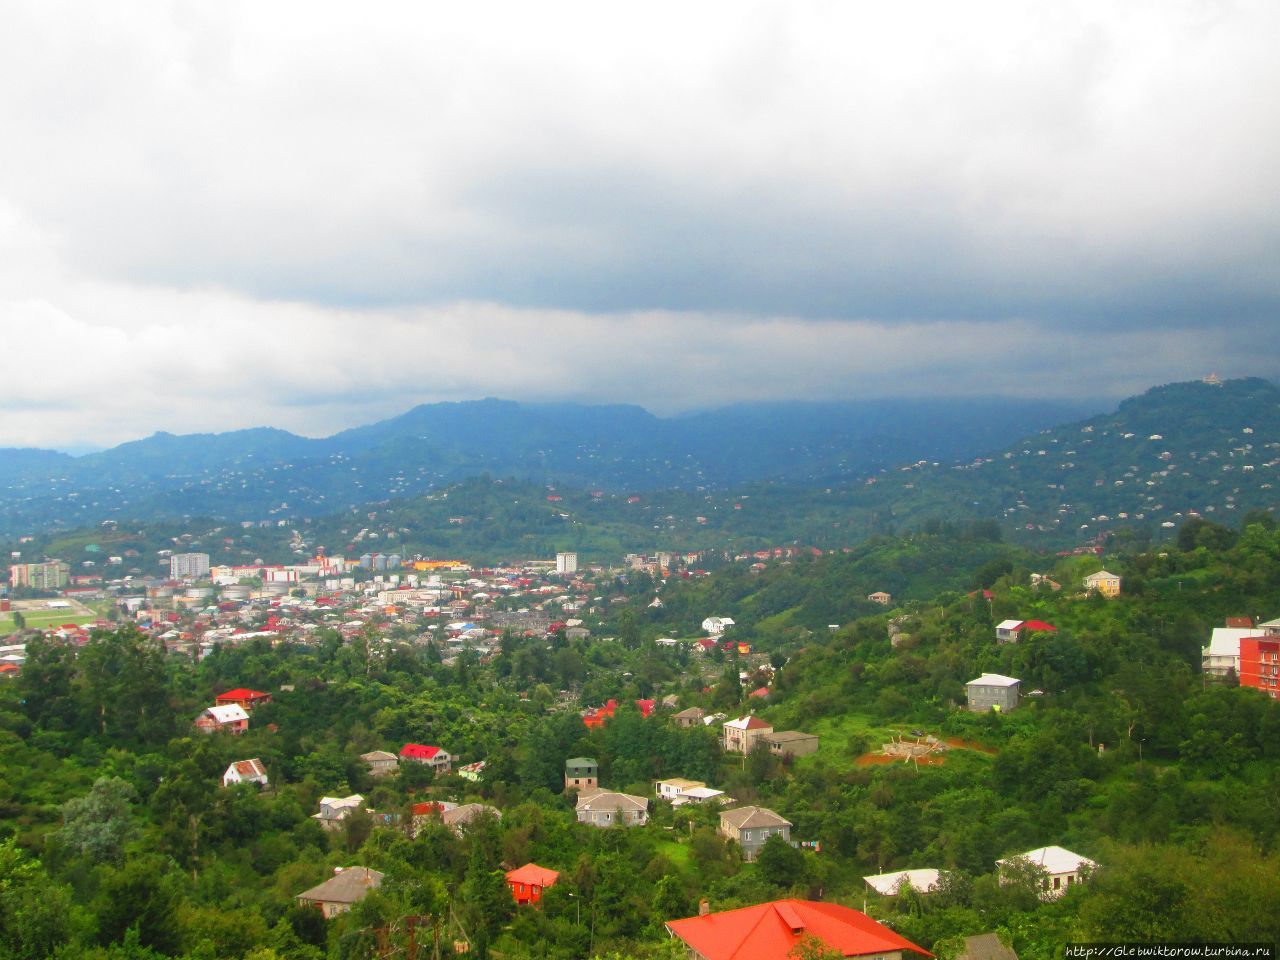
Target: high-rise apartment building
[(40, 576), (188, 566)]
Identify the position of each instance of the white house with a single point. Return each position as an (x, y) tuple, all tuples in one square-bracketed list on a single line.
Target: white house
[(1007, 631), (680, 791), (1061, 869), (890, 884), (334, 810), (245, 771), (1222, 655), (716, 625), (229, 718)]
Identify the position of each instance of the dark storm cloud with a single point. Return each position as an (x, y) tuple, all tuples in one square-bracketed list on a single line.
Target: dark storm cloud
[(310, 220)]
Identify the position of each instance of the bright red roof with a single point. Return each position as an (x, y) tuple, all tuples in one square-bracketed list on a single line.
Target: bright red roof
[(431, 806), (769, 931), (646, 707), (241, 693), (1038, 625), (534, 874), (417, 751)]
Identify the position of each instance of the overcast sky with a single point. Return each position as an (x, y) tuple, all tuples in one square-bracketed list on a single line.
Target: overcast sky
[(218, 215)]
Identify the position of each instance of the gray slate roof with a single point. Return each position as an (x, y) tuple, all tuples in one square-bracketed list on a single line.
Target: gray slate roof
[(747, 817), (350, 885)]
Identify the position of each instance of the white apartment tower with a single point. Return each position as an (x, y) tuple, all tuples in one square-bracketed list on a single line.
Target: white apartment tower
[(566, 563), (188, 566)]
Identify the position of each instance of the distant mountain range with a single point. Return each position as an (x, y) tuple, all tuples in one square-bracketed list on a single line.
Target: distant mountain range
[(260, 473)]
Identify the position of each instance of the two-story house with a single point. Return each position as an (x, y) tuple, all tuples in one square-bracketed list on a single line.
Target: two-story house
[(436, 758), (992, 691), (740, 735), (335, 810), (582, 774), (1107, 584), (606, 808), (751, 827)]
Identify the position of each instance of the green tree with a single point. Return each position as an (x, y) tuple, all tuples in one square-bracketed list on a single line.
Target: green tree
[(34, 911), (780, 863), (98, 824)]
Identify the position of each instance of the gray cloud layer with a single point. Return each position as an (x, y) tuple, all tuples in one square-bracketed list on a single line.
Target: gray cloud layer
[(233, 214)]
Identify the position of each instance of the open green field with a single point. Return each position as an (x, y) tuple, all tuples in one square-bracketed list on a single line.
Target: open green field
[(844, 738), (43, 619)]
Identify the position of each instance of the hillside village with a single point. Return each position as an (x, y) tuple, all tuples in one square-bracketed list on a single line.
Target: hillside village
[(630, 698)]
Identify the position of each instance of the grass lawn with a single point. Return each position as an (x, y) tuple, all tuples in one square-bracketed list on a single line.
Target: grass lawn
[(676, 852), (835, 733), (44, 619)]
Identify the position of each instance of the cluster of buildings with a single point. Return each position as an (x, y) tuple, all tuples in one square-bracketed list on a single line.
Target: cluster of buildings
[(440, 602), (1054, 870), (1249, 653), (50, 575), (749, 827)]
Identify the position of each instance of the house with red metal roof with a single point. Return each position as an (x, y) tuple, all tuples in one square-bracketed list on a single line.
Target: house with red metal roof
[(435, 757), (595, 717), (528, 882), (771, 931), (242, 697)]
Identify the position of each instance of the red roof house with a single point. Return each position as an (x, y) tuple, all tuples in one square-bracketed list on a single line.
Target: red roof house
[(596, 716), (1039, 625), (431, 756), (242, 697), (645, 707), (528, 882), (770, 931)]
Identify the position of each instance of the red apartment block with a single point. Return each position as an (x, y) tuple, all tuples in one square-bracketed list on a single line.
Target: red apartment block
[(1260, 664)]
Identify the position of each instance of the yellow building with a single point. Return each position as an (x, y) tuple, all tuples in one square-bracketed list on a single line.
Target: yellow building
[(1107, 584)]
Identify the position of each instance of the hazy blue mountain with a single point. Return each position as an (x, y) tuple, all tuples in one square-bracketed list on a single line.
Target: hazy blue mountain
[(616, 447)]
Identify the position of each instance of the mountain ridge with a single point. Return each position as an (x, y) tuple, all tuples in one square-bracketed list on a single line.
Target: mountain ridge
[(267, 470)]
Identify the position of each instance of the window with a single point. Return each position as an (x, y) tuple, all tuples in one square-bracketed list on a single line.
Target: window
[(1057, 883)]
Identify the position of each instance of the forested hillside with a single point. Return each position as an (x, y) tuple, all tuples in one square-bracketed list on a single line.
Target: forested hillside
[(119, 842), (265, 472)]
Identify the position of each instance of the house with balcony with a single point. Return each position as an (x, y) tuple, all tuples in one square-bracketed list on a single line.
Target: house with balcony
[(740, 735)]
